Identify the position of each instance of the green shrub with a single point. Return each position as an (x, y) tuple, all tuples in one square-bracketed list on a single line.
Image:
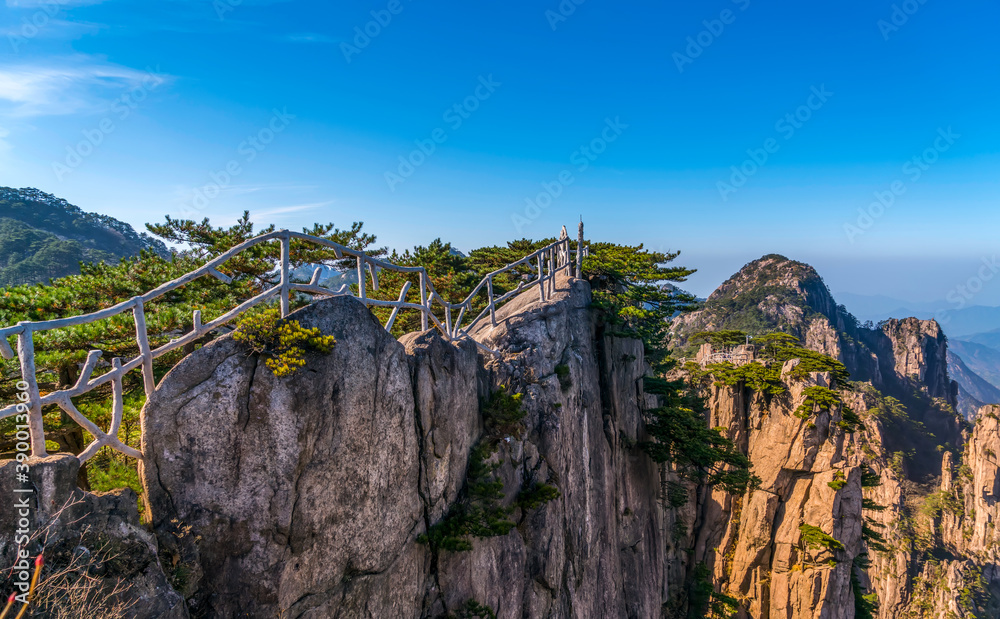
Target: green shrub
[(823, 398), (479, 511), (502, 414), (474, 610), (282, 343), (677, 494), (536, 495), (869, 478), (936, 503), (812, 361), (704, 600), (865, 604), (562, 371), (849, 420), (871, 537), (839, 481), (755, 376), (720, 339), (897, 462), (682, 437), (814, 537), (111, 473)]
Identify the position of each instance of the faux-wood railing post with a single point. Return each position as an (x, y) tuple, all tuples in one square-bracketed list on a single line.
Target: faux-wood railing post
[(423, 300), (493, 308), (541, 278), (285, 283), (579, 250), (552, 272), (142, 338), (26, 352), (362, 279)]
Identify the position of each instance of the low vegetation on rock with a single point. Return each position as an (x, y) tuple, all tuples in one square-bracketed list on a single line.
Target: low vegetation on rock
[(282, 343)]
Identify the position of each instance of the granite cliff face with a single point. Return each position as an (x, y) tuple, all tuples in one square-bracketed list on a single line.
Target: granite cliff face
[(810, 475), (914, 550), (908, 498)]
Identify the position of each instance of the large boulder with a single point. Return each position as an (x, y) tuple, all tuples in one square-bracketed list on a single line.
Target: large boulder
[(295, 495)]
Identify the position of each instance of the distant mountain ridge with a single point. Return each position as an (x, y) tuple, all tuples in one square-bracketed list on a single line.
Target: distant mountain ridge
[(983, 360), (974, 391), (43, 237), (966, 322), (989, 338)]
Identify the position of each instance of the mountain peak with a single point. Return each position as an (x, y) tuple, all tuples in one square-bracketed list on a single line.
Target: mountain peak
[(772, 293), (772, 270)]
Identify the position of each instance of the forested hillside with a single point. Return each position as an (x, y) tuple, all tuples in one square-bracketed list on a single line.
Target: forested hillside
[(44, 237)]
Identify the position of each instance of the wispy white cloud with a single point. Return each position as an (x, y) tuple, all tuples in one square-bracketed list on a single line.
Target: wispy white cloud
[(51, 29), (75, 85), (51, 4), (283, 210)]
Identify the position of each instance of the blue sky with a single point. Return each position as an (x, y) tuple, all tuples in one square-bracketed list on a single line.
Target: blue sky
[(633, 115)]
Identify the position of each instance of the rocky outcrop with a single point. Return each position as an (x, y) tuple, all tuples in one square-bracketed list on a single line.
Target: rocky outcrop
[(920, 354), (302, 496), (969, 523), (306, 495), (809, 470), (598, 550), (101, 561), (911, 550), (959, 521), (446, 390)]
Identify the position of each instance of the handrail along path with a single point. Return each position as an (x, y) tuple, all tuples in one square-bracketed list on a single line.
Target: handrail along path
[(546, 262)]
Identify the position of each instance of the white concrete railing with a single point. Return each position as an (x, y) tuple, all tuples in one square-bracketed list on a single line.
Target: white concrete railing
[(552, 258)]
